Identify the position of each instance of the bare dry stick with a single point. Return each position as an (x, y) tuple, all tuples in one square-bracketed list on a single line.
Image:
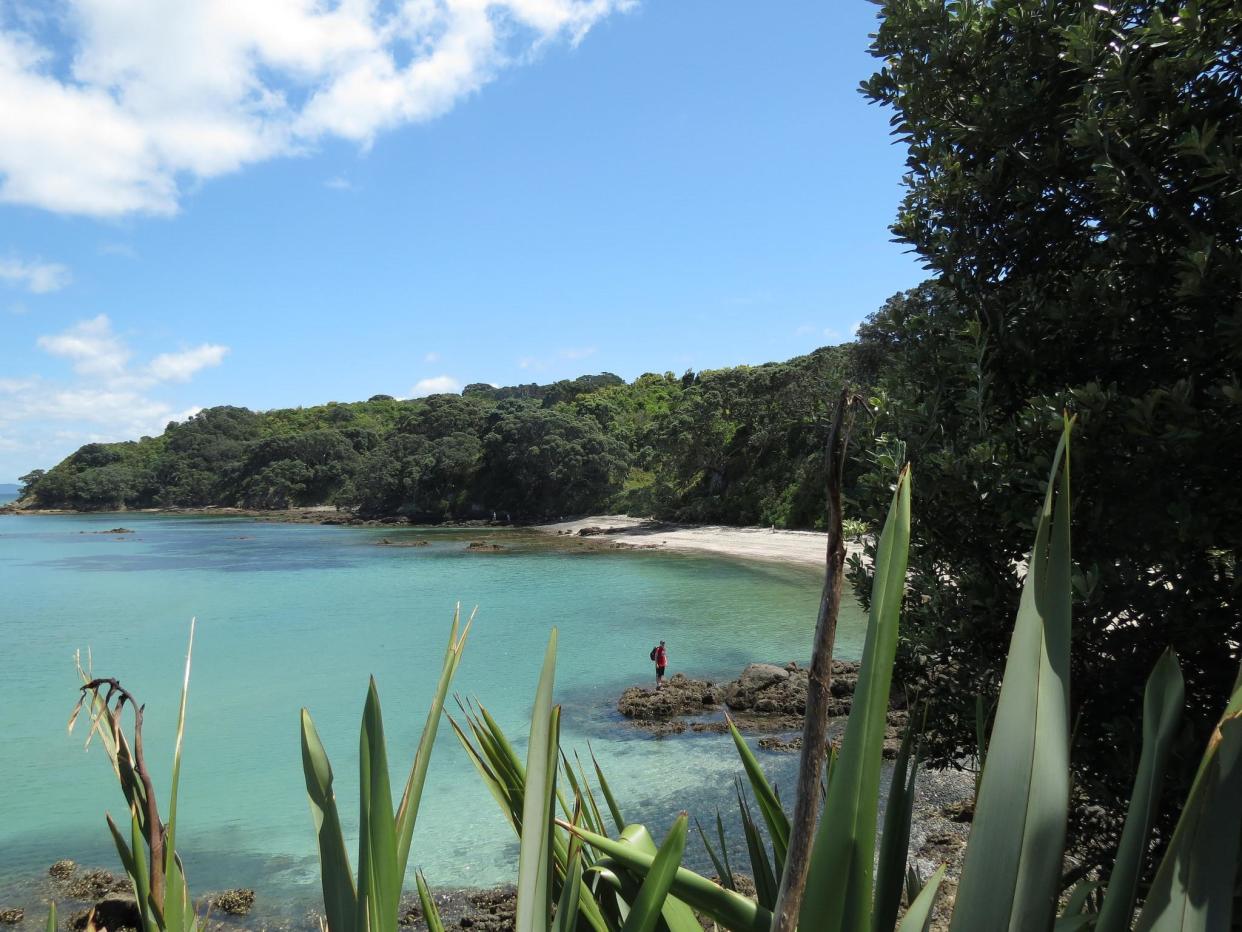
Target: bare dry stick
[(818, 693)]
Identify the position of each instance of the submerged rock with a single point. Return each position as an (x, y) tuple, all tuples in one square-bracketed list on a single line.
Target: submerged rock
[(483, 546), (11, 915)]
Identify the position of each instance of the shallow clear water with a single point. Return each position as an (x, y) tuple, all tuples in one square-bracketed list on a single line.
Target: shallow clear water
[(293, 615)]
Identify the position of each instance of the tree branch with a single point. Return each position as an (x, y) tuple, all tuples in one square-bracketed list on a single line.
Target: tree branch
[(815, 729)]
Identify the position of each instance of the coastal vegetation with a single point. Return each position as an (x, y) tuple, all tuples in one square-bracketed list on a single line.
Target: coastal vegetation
[(738, 445), (815, 872), (1073, 182)]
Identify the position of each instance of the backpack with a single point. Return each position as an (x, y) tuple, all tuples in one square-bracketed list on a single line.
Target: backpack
[(653, 651)]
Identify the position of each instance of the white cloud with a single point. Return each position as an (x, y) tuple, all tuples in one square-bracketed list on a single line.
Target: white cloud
[(180, 367), (436, 385), (110, 399), (160, 94), (579, 352), (91, 346), (339, 184), (34, 276)]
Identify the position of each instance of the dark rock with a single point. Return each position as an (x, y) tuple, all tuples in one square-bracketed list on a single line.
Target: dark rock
[(491, 910), (777, 743), (410, 912), (117, 910), (961, 810), (237, 902), (11, 915), (93, 885), (590, 531), (119, 530), (479, 546), (62, 870)]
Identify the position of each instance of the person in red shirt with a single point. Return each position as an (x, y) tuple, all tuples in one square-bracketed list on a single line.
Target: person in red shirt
[(661, 661)]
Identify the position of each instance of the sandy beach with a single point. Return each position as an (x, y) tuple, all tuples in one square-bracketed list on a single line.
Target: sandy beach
[(751, 543)]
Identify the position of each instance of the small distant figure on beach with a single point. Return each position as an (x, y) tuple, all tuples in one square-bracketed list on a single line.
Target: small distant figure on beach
[(660, 656)]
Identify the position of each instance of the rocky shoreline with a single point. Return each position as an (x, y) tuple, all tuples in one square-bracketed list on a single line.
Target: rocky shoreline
[(766, 699), (83, 893)]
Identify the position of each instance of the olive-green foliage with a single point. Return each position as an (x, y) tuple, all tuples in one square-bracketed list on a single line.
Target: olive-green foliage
[(1073, 183), (737, 445)]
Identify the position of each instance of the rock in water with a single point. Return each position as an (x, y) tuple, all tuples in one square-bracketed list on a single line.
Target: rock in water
[(62, 869), (11, 915), (680, 695), (237, 902)]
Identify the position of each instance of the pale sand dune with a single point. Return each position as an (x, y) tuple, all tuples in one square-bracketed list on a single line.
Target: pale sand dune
[(801, 547)]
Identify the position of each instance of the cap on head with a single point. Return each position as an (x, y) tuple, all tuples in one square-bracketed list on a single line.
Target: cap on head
[(661, 643)]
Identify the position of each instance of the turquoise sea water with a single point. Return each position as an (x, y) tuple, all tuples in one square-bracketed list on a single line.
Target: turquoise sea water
[(293, 615)]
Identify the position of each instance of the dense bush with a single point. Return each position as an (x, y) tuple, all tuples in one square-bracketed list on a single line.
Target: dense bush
[(735, 445), (1073, 182)]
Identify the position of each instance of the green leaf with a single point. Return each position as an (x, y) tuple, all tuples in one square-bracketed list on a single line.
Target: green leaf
[(678, 917), (51, 916), (1193, 887), (534, 897), (1012, 870), (722, 868), (613, 808), (645, 911), (340, 898), (769, 806), (1163, 701), (895, 842), (407, 811), (766, 882), (571, 891), (379, 883), (730, 909), (431, 912), (918, 915), (839, 880)]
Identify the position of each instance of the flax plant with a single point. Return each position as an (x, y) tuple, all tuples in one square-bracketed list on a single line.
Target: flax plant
[(149, 853), (370, 902)]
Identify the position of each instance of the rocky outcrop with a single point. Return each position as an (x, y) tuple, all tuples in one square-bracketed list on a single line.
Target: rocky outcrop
[(765, 698), (483, 546), (679, 696), (236, 902), (491, 911), (62, 869), (767, 689), (87, 885), (11, 915)]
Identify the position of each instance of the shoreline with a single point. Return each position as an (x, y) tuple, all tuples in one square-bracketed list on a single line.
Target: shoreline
[(623, 532), (805, 548)]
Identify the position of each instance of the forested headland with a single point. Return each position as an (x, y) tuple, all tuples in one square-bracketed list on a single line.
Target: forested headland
[(737, 445)]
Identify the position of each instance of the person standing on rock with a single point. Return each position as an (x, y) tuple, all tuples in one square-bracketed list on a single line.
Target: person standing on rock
[(660, 656)]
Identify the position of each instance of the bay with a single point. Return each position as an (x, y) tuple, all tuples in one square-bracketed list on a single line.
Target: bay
[(301, 615)]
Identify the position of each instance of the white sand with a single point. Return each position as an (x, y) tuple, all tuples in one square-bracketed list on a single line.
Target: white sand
[(752, 543)]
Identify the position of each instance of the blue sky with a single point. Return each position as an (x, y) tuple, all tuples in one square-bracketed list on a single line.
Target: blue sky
[(284, 209)]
